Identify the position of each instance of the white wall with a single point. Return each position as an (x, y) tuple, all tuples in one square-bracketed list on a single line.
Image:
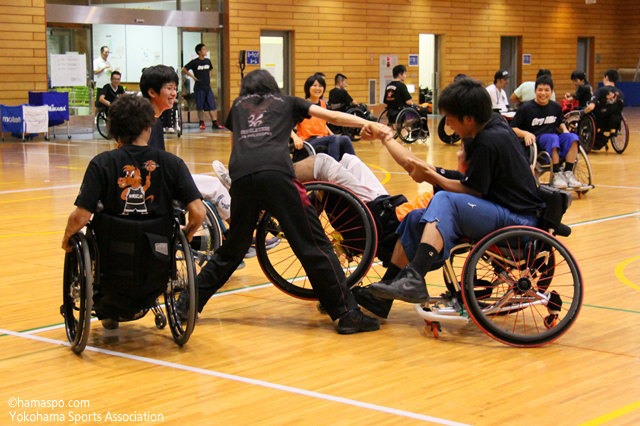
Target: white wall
[(426, 60)]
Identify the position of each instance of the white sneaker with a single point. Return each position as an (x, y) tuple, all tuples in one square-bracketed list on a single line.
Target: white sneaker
[(558, 181), (571, 180), (222, 173)]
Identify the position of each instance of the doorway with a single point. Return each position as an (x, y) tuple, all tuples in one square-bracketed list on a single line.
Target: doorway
[(585, 56), (429, 69), (275, 57), (509, 60)]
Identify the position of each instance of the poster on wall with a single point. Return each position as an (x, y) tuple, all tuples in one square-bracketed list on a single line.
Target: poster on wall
[(68, 70)]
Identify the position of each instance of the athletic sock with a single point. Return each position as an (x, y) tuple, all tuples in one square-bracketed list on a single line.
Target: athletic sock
[(424, 258), (392, 272), (568, 167), (556, 168)]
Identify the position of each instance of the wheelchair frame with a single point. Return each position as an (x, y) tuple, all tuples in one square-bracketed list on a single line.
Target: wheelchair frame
[(82, 271), (408, 129)]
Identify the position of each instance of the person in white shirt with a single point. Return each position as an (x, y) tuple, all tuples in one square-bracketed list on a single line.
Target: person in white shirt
[(102, 68), (499, 99)]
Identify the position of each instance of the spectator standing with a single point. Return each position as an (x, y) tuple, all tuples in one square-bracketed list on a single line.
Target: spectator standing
[(201, 70)]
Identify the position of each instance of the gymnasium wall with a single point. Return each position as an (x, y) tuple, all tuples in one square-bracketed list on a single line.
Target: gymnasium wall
[(23, 49), (340, 35)]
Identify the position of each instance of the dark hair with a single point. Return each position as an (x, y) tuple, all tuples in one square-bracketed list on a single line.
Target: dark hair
[(612, 75), (155, 77), (500, 74), (309, 83), (129, 116), (319, 74), (578, 75), (116, 73), (545, 79), (543, 71), (103, 48), (258, 81), (340, 77), (466, 97), (459, 76), (199, 48), (399, 69)]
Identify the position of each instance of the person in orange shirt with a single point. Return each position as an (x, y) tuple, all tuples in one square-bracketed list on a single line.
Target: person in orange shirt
[(315, 131)]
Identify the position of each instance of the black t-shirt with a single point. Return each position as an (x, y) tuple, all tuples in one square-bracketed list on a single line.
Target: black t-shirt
[(499, 169), (156, 140), (261, 126), (121, 181), (538, 119), (396, 95), (339, 99), (608, 99), (201, 68), (583, 95), (110, 94)]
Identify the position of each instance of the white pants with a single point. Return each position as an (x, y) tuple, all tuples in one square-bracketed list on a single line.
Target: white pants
[(212, 190), (351, 173)]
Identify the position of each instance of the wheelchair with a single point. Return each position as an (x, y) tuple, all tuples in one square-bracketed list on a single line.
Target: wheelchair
[(541, 162), (586, 128), (98, 279), (360, 110), (172, 119), (445, 133), (101, 123), (409, 125)]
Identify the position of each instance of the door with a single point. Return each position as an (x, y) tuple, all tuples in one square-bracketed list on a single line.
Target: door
[(275, 57), (429, 68), (585, 55), (509, 54)]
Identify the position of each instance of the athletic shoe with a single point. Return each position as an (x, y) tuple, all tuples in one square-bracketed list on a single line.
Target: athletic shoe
[(241, 265), (571, 180), (375, 305), (354, 321), (269, 243), (558, 181), (409, 286), (250, 253), (110, 324), (222, 173), (216, 126), (202, 126)]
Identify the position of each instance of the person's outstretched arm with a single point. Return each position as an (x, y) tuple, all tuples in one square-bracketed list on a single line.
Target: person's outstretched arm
[(197, 213)]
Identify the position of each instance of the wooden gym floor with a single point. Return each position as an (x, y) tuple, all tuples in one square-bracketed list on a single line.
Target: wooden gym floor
[(258, 356)]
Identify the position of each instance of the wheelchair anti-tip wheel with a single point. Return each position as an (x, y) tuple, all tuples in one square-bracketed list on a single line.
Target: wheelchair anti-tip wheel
[(182, 278), (77, 293), (101, 124), (532, 286), (349, 227), (445, 133)]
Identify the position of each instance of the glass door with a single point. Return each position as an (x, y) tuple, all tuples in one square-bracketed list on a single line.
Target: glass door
[(275, 57)]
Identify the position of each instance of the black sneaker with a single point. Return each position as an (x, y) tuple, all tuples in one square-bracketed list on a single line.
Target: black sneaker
[(373, 304), (354, 321), (409, 286), (182, 305)]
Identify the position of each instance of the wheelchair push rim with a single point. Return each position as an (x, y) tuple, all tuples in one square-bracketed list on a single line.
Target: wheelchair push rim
[(536, 288), (409, 125), (77, 293), (349, 227), (182, 278), (101, 124), (620, 142)]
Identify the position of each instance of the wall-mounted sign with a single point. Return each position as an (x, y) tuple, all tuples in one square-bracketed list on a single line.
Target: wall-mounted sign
[(253, 57), (526, 59), (413, 60)]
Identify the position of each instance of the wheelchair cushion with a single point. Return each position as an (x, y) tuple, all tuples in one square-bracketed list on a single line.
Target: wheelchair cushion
[(134, 263)]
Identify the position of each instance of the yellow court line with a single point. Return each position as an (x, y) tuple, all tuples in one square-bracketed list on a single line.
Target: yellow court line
[(387, 175), (613, 415), (619, 271)]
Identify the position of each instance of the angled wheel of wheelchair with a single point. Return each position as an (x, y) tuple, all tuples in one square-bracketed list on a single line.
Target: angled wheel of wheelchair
[(409, 125), (208, 238), (349, 226), (179, 120), (354, 132), (587, 132), (101, 124), (307, 150), (445, 133), (534, 288), (182, 278), (621, 140), (77, 293), (383, 118), (582, 170)]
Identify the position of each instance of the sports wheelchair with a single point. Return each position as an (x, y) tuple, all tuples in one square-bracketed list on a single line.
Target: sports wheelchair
[(409, 125), (360, 110), (586, 128), (101, 123), (445, 133), (121, 277), (513, 284)]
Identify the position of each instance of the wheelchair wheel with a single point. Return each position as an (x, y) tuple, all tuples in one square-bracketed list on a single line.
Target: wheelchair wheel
[(409, 125), (535, 286), (182, 278), (349, 226), (587, 132), (77, 293), (208, 238), (383, 118), (621, 140), (582, 169), (179, 120), (354, 132), (445, 133), (101, 124)]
